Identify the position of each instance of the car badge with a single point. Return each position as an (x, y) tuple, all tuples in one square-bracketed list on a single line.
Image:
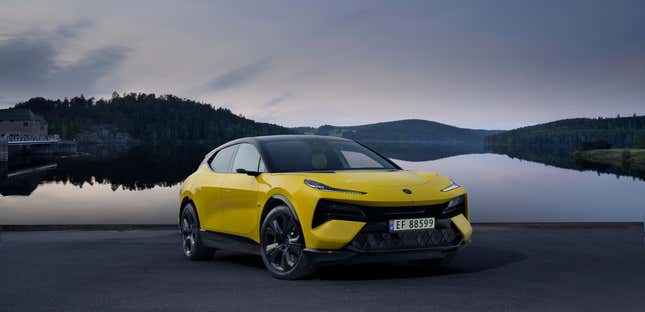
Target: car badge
[(407, 191)]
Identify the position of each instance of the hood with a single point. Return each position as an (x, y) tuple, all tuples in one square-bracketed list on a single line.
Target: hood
[(357, 179), (384, 187)]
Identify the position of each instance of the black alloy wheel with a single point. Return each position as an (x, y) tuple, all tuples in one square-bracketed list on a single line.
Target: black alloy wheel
[(191, 244), (282, 245)]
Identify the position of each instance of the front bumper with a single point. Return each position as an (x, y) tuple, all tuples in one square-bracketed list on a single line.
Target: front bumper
[(374, 243), (339, 228)]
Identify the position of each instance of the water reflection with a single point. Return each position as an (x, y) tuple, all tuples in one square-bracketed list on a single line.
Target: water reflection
[(146, 167), (563, 158), (60, 203), (138, 169), (135, 169), (415, 151), (502, 189), (22, 184), (151, 166), (140, 185)]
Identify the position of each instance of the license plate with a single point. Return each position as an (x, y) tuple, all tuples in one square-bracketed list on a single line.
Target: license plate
[(411, 224)]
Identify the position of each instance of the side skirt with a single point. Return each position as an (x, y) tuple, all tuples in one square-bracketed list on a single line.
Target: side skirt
[(229, 242)]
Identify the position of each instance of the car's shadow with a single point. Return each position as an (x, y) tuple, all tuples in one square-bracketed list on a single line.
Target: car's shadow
[(239, 259), (471, 260)]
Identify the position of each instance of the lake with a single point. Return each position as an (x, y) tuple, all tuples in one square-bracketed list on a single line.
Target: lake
[(140, 186)]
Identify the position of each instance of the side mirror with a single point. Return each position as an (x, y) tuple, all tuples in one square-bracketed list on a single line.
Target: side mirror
[(251, 173)]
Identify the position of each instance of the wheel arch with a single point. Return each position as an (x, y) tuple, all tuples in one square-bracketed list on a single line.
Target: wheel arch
[(186, 200), (274, 201)]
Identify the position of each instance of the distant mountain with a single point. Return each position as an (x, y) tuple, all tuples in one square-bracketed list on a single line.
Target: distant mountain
[(144, 118), (404, 131), (568, 134)]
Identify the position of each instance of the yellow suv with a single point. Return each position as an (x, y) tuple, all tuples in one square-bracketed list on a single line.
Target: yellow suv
[(304, 201)]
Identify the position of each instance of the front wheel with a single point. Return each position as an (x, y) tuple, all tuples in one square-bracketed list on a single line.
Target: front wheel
[(282, 245)]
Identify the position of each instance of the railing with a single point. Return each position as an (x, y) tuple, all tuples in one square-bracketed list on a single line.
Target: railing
[(29, 139)]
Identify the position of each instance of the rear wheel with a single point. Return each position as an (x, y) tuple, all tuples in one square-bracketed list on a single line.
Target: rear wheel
[(282, 245), (193, 247)]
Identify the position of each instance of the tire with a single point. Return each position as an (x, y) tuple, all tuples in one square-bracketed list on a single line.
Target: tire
[(194, 249), (282, 245)]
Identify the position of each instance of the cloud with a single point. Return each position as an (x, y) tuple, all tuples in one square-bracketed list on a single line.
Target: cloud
[(30, 68), (71, 30), (96, 64), (279, 99), (238, 76), (518, 62), (25, 62)]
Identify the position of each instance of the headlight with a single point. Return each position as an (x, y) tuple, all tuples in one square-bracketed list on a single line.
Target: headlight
[(451, 187), (455, 206), (322, 187), (455, 202)]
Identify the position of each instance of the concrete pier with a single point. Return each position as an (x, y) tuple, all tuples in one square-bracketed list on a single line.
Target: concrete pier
[(4, 168), (4, 158), (52, 148), (4, 151)]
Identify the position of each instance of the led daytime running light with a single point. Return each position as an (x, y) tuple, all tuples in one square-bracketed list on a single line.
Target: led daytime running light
[(451, 187), (325, 188)]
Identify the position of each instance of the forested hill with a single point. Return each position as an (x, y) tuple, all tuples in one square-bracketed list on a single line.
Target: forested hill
[(409, 130), (572, 133), (146, 118)]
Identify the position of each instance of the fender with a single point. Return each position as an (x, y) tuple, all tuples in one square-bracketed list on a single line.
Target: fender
[(288, 203)]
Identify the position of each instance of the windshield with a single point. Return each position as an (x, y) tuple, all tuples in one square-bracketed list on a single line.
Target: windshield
[(321, 155)]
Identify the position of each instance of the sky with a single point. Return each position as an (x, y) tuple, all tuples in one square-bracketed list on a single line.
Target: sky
[(476, 64)]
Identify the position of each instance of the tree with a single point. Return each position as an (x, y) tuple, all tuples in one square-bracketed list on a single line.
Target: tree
[(597, 144), (570, 134), (640, 139), (148, 118)]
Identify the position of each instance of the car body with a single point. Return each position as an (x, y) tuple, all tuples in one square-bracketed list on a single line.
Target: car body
[(338, 199)]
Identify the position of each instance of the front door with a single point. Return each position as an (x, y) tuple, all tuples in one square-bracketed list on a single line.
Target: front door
[(210, 193), (238, 206)]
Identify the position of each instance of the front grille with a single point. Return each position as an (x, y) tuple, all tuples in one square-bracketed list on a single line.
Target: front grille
[(376, 237), (331, 210), (378, 214)]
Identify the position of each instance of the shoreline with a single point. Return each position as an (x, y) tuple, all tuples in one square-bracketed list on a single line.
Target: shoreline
[(623, 158)]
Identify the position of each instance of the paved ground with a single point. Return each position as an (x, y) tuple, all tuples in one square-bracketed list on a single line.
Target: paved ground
[(525, 268)]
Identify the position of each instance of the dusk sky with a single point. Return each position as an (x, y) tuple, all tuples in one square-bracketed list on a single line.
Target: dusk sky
[(477, 64)]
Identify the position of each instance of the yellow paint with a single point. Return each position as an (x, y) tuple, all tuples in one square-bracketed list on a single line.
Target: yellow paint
[(334, 234), (233, 202), (463, 225)]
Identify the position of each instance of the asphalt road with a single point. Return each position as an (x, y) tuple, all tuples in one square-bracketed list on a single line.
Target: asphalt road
[(507, 268)]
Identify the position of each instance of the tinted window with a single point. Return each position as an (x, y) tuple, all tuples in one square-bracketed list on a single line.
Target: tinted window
[(321, 155), (222, 160), (247, 158)]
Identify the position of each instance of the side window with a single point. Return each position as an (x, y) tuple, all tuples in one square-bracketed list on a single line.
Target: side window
[(222, 160), (247, 158), (262, 168)]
